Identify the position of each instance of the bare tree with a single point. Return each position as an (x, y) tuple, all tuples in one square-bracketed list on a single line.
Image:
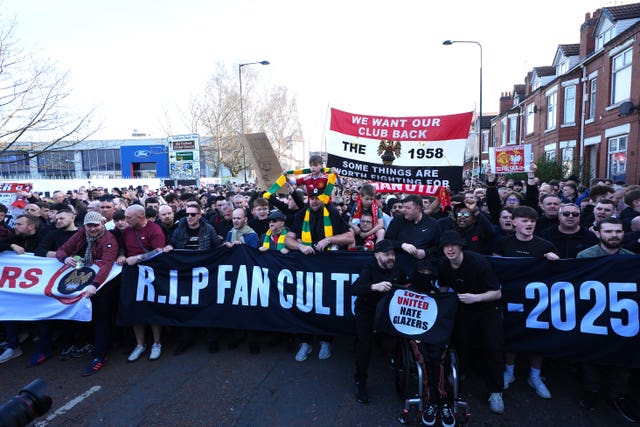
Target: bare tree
[(218, 117), (278, 118), (216, 112), (34, 115)]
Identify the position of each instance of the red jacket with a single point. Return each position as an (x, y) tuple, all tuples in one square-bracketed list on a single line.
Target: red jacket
[(105, 249)]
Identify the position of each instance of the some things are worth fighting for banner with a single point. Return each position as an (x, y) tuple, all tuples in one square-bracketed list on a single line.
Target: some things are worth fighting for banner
[(403, 150)]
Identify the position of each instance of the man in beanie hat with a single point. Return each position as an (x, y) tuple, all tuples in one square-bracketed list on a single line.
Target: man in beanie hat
[(376, 279), (90, 243), (470, 276)]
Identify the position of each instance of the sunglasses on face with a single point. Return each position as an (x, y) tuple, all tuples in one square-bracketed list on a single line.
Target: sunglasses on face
[(463, 214), (573, 214), (192, 214)]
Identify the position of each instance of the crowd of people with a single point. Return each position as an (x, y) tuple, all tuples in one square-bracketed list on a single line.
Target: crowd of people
[(416, 241)]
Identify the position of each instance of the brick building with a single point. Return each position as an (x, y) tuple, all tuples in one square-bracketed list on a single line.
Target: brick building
[(584, 108)]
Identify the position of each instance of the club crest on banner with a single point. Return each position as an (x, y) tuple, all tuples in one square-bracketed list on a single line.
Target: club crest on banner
[(67, 283), (412, 313)]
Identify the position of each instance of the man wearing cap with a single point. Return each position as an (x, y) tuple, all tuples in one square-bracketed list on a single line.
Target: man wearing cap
[(92, 242), (275, 236), (376, 278), (316, 229), (470, 276)]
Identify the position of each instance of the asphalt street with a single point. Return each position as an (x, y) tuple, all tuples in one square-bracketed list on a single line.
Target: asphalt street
[(236, 388)]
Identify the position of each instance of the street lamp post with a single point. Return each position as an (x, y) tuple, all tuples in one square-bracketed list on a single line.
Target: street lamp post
[(479, 125), (244, 153)]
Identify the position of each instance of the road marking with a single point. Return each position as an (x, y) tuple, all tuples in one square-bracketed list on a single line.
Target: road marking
[(70, 404)]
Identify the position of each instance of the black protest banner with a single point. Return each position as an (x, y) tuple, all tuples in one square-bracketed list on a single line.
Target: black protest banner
[(243, 288), (426, 317), (584, 309)]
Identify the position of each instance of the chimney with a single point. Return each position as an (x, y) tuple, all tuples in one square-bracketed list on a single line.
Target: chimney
[(587, 41), (506, 102)]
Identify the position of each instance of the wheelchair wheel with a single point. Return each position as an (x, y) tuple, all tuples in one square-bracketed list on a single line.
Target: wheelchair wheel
[(403, 368), (460, 406)]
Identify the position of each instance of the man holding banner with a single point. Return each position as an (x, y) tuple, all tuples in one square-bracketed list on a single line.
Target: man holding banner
[(470, 276), (375, 279), (316, 229), (90, 243), (610, 233)]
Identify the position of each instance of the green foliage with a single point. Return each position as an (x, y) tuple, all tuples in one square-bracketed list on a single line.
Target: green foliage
[(549, 169)]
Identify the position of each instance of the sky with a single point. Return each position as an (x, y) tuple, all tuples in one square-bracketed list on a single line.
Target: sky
[(139, 62)]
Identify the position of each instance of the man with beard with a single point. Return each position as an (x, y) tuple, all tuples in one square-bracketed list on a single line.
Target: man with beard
[(92, 242), (65, 228), (317, 229), (241, 233), (569, 236), (472, 225), (166, 220), (610, 233), (375, 280), (523, 243)]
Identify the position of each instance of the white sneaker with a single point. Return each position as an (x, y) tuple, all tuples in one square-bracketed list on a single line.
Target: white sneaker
[(137, 352), (496, 404), (541, 389), (508, 379), (10, 353), (303, 352), (156, 351), (325, 350)]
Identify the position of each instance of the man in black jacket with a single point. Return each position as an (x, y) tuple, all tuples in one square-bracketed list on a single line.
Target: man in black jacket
[(376, 279)]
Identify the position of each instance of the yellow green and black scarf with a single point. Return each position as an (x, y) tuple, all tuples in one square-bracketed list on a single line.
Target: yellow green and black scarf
[(306, 228)]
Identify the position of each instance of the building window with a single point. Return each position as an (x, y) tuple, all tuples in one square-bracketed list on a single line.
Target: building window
[(503, 123), (550, 152), (530, 121), (513, 126), (617, 158), (57, 164), (568, 160), (605, 37), (105, 161), (485, 141), (494, 136), (621, 77), (593, 88), (14, 164), (552, 106), (563, 67), (569, 105)]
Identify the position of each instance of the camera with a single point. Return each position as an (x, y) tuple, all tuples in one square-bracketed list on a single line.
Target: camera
[(29, 403)]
